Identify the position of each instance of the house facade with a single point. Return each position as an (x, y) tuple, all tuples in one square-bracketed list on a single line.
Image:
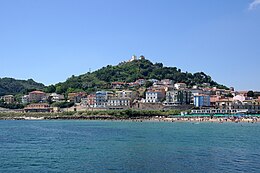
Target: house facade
[(25, 99), (102, 98), (89, 101), (202, 100), (8, 99), (119, 103), (38, 107), (37, 96), (126, 94), (57, 97), (178, 97), (76, 97), (225, 103), (179, 86), (154, 97)]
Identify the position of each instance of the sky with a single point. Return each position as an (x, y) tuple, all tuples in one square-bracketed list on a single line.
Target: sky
[(51, 40)]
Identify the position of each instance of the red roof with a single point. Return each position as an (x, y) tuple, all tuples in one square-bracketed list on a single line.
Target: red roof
[(37, 92)]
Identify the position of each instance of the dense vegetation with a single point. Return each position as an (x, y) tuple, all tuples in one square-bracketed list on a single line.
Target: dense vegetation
[(113, 114), (11, 105), (129, 72), (253, 94), (102, 78), (14, 86)]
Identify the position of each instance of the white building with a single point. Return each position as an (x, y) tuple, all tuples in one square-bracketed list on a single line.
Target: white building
[(133, 58), (102, 98), (57, 97), (240, 98), (179, 86), (154, 97), (25, 99), (119, 103)]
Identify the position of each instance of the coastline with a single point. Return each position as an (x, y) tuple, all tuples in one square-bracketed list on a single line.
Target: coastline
[(43, 116)]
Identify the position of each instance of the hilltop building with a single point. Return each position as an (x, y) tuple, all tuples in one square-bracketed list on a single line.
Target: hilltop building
[(134, 57)]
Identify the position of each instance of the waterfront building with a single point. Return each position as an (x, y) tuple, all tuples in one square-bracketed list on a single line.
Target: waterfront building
[(178, 97), (252, 105), (102, 98), (213, 100), (38, 107), (224, 103), (119, 103), (89, 101), (218, 111), (201, 100)]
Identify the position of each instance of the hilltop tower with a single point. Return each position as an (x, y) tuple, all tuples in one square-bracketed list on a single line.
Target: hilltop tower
[(133, 58)]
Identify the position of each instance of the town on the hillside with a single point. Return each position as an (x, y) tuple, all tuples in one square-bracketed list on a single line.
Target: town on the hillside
[(142, 94)]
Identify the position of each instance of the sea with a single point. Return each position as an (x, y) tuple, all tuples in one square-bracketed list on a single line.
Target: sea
[(124, 146)]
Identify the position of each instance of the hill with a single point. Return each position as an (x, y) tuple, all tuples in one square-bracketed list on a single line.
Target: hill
[(130, 72), (14, 86)]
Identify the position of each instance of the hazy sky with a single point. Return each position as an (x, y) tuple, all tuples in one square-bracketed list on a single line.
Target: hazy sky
[(50, 40)]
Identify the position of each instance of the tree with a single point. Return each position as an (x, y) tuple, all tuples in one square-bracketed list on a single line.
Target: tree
[(229, 95), (130, 72), (250, 94), (60, 89), (50, 89), (148, 84)]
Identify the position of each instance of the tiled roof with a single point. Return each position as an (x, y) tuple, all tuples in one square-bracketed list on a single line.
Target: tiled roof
[(37, 92)]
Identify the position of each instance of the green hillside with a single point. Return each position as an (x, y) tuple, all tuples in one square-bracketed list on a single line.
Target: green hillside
[(130, 72), (14, 86)]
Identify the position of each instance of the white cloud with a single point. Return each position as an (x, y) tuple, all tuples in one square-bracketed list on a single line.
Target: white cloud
[(254, 4)]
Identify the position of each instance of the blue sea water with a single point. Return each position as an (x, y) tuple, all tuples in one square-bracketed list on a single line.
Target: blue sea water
[(107, 146)]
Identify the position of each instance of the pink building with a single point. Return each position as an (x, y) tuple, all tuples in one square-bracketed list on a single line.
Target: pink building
[(37, 96)]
